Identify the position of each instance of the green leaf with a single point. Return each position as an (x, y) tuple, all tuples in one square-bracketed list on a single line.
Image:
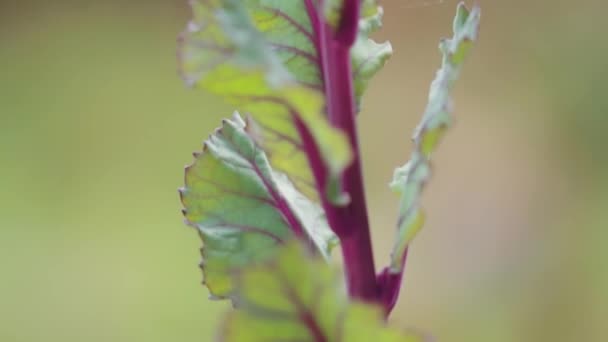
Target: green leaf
[(297, 297), (410, 179), (262, 55), (286, 25), (243, 209), (224, 52)]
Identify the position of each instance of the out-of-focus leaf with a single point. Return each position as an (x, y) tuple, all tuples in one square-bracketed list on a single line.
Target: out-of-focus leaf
[(224, 51), (243, 209), (409, 179), (297, 297)]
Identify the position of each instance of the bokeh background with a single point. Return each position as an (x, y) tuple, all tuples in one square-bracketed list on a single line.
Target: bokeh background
[(95, 127)]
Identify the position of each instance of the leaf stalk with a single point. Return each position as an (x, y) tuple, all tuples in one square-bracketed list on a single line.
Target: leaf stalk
[(350, 222)]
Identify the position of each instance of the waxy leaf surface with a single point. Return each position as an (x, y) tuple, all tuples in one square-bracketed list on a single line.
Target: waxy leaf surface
[(297, 297), (243, 209), (409, 179)]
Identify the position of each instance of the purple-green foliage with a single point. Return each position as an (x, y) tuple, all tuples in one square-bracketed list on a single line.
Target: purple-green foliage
[(279, 184)]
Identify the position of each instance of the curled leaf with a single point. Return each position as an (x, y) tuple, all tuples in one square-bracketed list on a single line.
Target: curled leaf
[(409, 179)]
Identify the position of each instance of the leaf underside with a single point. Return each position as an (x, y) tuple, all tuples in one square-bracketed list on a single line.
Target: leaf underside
[(410, 179), (243, 209), (297, 297)]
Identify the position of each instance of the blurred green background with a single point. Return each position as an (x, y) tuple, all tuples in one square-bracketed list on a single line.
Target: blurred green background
[(95, 127)]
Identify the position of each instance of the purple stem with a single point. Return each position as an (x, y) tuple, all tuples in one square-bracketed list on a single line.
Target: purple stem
[(349, 222), (318, 169), (354, 230), (349, 23), (390, 286)]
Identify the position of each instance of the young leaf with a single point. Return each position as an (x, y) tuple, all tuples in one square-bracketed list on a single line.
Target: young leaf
[(409, 179), (243, 209), (224, 52), (367, 56), (297, 297)]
